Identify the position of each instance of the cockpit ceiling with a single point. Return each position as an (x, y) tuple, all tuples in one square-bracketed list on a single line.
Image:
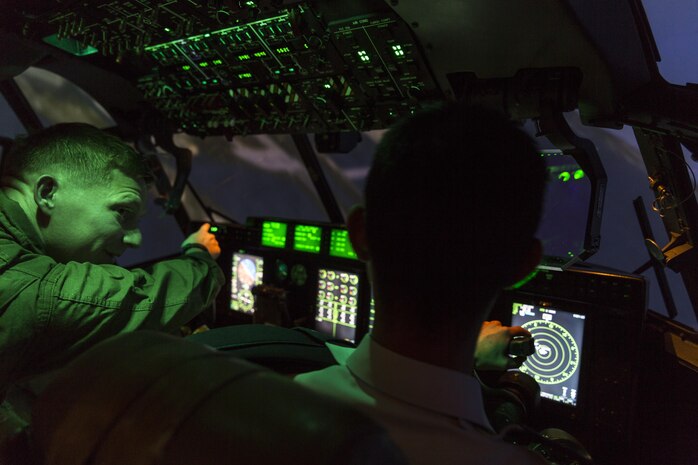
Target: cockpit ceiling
[(325, 66)]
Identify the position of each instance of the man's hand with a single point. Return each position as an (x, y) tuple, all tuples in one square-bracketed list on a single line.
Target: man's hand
[(205, 238), (492, 345)]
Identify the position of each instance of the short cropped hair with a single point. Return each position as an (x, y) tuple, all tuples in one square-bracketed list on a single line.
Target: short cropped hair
[(453, 198), (87, 153)]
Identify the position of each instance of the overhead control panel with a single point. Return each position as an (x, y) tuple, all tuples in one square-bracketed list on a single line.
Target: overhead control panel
[(249, 67)]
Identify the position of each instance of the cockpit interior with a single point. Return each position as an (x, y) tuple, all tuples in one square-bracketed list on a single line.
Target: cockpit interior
[(261, 118)]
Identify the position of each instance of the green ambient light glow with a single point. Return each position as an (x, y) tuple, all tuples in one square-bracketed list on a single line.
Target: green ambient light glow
[(274, 234), (307, 238), (220, 32), (69, 45), (526, 279), (340, 245)]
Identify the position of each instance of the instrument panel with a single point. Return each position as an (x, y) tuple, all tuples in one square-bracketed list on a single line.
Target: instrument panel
[(224, 68)]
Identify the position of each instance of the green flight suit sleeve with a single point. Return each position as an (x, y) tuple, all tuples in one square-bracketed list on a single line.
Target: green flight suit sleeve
[(82, 304)]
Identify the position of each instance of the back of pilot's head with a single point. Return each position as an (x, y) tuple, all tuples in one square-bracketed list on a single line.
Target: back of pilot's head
[(88, 154), (453, 199)]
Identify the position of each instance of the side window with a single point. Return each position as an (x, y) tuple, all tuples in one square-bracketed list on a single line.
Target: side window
[(622, 243), (57, 100), (674, 29), (10, 127)]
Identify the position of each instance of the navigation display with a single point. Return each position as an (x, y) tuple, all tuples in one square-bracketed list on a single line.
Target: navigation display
[(247, 272), (274, 234), (307, 238), (337, 303), (556, 362), (340, 245)]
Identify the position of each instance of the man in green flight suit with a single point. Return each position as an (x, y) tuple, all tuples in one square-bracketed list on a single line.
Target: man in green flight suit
[(71, 197)]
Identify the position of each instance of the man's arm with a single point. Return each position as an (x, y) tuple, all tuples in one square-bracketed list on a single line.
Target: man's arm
[(82, 304)]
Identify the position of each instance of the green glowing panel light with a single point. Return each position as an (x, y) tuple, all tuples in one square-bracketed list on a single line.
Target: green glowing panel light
[(274, 234), (69, 45), (307, 238), (579, 174), (340, 245), (564, 176)]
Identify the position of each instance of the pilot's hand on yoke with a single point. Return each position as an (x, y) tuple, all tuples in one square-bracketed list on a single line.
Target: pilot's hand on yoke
[(491, 352), (205, 238)]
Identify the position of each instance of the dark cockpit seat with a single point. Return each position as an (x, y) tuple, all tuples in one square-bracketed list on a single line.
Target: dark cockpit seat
[(147, 398), (283, 350)]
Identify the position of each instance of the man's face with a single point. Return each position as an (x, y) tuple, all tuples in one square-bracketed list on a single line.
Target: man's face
[(95, 223)]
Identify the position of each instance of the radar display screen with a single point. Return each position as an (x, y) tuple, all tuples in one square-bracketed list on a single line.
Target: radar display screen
[(337, 303), (307, 238), (274, 234), (556, 362), (340, 245), (247, 272)]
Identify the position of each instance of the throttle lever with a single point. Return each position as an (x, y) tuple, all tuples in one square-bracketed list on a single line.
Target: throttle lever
[(521, 346)]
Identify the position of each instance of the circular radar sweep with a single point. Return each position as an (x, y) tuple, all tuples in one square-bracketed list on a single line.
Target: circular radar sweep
[(556, 357)]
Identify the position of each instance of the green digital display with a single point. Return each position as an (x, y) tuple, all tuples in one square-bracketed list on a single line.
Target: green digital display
[(340, 245), (307, 238), (274, 234)]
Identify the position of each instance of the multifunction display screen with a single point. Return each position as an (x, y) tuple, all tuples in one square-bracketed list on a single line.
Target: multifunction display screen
[(337, 303), (556, 362), (307, 238), (247, 272), (274, 234), (340, 245)]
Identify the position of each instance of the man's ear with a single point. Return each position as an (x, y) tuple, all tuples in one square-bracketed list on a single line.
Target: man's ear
[(527, 267), (356, 224), (45, 190)]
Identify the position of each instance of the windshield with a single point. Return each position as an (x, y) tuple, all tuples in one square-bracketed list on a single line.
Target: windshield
[(675, 31)]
